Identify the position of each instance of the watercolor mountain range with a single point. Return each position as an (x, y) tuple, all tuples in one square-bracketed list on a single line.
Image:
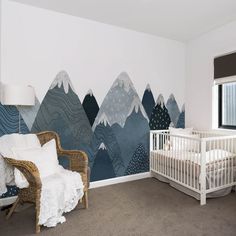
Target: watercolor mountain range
[(114, 135)]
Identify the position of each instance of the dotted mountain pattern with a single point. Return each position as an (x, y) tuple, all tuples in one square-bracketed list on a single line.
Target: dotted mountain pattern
[(91, 107), (148, 102), (139, 162), (160, 118)]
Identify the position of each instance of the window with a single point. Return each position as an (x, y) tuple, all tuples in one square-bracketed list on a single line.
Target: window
[(227, 105)]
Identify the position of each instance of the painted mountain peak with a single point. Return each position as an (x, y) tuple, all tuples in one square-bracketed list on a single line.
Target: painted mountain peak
[(124, 81), (62, 112), (118, 101), (62, 79), (102, 146), (137, 106), (160, 101), (90, 106), (103, 120), (173, 109), (148, 101), (90, 93)]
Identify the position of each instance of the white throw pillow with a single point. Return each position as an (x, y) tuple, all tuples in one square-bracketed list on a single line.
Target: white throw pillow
[(45, 158)]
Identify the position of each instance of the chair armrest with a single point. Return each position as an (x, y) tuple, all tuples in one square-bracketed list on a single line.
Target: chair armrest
[(78, 159), (28, 169)]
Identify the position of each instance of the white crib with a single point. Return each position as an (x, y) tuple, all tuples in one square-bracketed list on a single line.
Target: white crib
[(203, 163)]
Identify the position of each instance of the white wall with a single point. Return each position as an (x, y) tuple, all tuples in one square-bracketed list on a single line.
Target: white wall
[(38, 43), (199, 79)]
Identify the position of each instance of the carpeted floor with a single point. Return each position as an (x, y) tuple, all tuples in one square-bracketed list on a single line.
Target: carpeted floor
[(143, 207)]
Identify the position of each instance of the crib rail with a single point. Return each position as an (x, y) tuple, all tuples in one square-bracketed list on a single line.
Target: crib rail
[(204, 162)]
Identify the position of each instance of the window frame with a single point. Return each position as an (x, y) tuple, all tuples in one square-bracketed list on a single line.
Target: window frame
[(220, 109)]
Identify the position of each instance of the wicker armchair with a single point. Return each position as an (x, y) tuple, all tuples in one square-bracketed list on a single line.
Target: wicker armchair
[(78, 161)]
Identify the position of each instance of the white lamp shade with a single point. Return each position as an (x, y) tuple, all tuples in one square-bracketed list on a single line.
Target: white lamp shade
[(18, 95)]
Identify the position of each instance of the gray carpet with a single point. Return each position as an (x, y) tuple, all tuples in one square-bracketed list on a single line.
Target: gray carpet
[(143, 207)]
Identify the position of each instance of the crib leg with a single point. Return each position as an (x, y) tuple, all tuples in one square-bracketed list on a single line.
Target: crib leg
[(203, 199)]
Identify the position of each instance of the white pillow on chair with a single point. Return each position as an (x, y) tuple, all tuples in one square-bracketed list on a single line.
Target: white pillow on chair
[(45, 158)]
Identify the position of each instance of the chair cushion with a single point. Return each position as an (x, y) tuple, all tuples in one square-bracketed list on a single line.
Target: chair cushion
[(45, 158)]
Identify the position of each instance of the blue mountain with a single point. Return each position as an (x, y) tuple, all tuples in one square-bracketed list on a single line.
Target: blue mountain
[(91, 107), (148, 101), (181, 120), (102, 167), (173, 109), (9, 121), (135, 131), (104, 134), (160, 118), (62, 112)]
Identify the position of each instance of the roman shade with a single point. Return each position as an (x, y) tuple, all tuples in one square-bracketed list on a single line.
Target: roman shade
[(225, 68)]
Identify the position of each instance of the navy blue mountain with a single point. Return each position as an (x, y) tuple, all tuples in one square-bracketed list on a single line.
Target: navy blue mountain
[(173, 109), (181, 120), (148, 101), (62, 112), (160, 118), (103, 134), (139, 162), (102, 167), (91, 107)]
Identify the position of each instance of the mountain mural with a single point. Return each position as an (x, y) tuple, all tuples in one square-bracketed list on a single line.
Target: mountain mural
[(181, 120), (160, 118), (173, 109), (139, 162), (148, 101), (90, 106), (9, 121), (102, 167), (123, 115), (29, 113), (62, 112)]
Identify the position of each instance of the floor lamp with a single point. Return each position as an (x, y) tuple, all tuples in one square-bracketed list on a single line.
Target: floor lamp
[(18, 95)]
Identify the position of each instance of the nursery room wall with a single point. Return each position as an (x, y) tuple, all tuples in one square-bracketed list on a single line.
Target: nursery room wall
[(201, 100), (100, 87)]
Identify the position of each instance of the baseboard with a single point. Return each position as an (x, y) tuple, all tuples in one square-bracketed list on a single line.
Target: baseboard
[(7, 201), (122, 179)]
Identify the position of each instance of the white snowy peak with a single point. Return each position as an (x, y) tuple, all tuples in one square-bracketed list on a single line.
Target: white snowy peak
[(102, 146), (103, 120), (172, 97), (183, 108), (124, 81), (62, 79), (90, 93), (160, 101), (148, 88), (136, 106)]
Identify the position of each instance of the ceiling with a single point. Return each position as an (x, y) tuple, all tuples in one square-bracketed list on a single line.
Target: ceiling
[(181, 20)]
